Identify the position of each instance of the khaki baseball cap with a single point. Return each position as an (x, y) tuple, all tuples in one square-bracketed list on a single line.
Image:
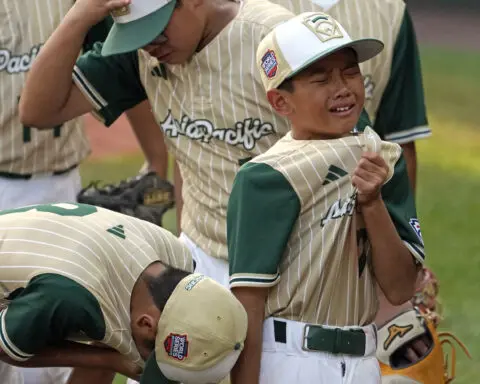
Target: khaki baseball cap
[(295, 44), (201, 333), (137, 24)]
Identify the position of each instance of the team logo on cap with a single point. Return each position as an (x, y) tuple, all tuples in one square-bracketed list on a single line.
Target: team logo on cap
[(324, 27), (415, 224), (122, 11), (269, 64), (176, 346)]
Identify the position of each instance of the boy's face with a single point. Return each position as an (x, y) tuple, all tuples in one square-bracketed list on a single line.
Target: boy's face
[(327, 98), (180, 39)]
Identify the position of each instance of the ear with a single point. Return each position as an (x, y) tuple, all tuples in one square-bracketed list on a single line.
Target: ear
[(280, 101), (147, 324)]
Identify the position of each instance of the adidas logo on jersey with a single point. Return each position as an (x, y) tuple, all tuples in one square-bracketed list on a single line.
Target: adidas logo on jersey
[(340, 208), (117, 231), (334, 173), (14, 64)]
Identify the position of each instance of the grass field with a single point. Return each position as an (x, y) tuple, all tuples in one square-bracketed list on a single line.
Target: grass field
[(448, 186)]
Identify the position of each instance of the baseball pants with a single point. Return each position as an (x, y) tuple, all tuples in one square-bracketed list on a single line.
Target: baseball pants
[(287, 362), (15, 193)]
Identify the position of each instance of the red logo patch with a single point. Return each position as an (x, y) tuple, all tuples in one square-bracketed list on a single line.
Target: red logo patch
[(269, 64), (176, 346)]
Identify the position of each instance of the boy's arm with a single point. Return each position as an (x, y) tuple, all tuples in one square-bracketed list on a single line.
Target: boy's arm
[(397, 251), (107, 86), (262, 211), (71, 354)]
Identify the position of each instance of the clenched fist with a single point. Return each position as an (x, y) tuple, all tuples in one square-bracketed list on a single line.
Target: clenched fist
[(369, 177)]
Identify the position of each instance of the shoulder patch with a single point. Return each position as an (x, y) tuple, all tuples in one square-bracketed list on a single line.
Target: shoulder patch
[(415, 224)]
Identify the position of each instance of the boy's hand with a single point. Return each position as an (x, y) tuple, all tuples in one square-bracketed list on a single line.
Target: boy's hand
[(92, 12), (369, 177)]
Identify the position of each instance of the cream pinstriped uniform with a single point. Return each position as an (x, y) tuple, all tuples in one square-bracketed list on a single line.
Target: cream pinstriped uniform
[(103, 251), (24, 28), (324, 275), (212, 110)]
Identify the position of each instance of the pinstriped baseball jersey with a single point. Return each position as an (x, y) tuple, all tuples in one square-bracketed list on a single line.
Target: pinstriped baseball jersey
[(213, 111), (104, 252), (25, 26), (293, 226), (393, 85)]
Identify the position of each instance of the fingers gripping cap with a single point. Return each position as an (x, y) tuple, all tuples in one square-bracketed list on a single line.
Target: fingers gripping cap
[(200, 335), (295, 44), (137, 24)]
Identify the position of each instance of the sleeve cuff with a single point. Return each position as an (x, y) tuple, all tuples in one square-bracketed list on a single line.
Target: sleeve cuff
[(417, 251), (7, 345), (409, 135), (254, 280)]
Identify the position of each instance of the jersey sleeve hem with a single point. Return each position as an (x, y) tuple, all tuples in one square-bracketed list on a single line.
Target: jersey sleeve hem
[(253, 280), (409, 135), (416, 250), (6, 343)]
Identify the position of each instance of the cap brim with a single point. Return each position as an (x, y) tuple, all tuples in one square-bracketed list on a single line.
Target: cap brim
[(152, 373), (365, 49), (128, 37)]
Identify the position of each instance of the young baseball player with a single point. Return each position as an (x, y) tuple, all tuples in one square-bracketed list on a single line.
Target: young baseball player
[(199, 77), (320, 217), (73, 272)]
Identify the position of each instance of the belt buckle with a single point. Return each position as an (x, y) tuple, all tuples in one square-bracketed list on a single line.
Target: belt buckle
[(306, 328)]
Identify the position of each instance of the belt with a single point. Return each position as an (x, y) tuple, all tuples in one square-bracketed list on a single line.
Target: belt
[(326, 339), (28, 176)]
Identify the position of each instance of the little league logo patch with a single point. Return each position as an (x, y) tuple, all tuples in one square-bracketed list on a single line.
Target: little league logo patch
[(415, 224), (269, 64), (176, 346)]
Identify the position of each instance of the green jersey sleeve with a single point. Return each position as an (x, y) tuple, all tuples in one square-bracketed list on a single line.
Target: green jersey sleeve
[(111, 83), (399, 200), (46, 312), (262, 210), (401, 115)]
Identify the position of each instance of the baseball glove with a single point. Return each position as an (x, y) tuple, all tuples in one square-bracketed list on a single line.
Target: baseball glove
[(433, 368), (145, 196)]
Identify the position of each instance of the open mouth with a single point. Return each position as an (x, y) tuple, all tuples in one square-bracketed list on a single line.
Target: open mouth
[(342, 110)]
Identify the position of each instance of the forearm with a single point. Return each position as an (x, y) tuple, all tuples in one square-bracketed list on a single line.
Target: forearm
[(410, 154), (70, 355), (49, 82), (393, 264), (150, 137), (247, 368), (178, 183)]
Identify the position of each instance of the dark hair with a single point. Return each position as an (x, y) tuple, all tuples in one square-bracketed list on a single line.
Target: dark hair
[(287, 85), (162, 286)]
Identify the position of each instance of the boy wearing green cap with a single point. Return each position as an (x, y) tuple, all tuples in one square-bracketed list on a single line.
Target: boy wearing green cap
[(319, 218)]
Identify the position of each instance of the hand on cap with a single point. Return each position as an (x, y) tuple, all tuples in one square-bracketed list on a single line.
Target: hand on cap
[(369, 177), (94, 11)]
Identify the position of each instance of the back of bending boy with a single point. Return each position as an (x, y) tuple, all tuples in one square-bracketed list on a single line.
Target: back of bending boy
[(319, 218)]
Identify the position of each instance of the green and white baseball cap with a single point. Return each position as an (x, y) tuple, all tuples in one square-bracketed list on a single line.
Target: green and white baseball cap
[(137, 24), (297, 43), (200, 334)]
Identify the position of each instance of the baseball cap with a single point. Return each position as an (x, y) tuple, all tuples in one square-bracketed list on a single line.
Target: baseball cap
[(200, 335), (298, 42), (137, 24)]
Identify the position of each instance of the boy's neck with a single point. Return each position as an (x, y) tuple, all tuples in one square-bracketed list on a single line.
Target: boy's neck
[(312, 135), (221, 13)]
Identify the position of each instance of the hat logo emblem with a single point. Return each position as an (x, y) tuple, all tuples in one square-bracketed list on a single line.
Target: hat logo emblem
[(176, 346), (269, 64), (324, 27)]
